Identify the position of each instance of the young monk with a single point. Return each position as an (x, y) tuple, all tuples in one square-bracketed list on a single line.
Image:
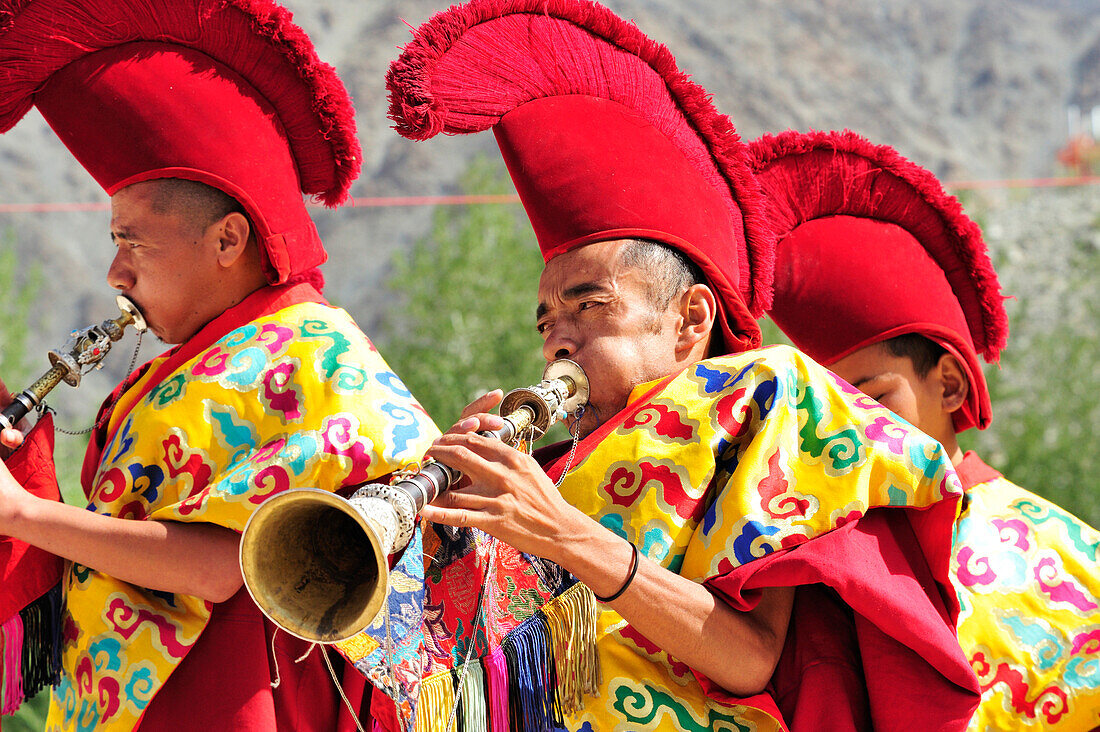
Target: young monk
[(881, 277), (205, 122)]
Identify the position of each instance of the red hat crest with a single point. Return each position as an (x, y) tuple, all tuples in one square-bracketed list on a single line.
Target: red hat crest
[(603, 136), (224, 92), (871, 247)]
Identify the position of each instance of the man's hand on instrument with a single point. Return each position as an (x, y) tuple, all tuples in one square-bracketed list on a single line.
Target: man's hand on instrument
[(9, 438), (479, 408), (504, 491)]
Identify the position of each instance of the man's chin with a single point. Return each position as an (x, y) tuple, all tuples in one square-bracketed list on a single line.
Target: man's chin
[(167, 337), (158, 334), (163, 338)]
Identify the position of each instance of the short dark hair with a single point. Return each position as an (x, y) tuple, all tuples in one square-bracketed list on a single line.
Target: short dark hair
[(669, 271), (922, 352), (198, 202)]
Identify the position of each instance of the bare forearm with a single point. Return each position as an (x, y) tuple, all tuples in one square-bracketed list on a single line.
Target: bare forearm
[(194, 559), (510, 496), (736, 650)]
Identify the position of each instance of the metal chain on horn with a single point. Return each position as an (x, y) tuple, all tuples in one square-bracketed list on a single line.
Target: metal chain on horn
[(107, 411)]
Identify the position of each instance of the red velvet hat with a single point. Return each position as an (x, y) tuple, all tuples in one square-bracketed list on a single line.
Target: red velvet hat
[(603, 136), (871, 247), (224, 92)]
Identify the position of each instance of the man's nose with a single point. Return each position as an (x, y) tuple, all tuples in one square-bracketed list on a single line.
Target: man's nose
[(119, 274), (558, 345)]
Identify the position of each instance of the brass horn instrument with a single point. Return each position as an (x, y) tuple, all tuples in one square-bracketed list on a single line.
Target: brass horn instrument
[(316, 564), (83, 352)]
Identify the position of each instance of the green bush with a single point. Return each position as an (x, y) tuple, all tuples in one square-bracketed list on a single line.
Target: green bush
[(462, 319), (21, 291), (1046, 392)]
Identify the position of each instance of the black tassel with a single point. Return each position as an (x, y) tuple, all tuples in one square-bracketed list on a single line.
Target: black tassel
[(460, 713), (42, 642), (515, 704)]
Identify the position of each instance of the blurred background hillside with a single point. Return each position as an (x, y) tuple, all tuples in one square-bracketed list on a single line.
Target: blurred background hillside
[(976, 90)]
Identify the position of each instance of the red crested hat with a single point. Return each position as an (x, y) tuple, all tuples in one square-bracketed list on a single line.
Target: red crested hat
[(603, 136), (871, 247), (229, 93)]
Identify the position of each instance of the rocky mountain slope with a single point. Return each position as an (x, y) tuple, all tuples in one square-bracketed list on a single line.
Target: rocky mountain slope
[(975, 89)]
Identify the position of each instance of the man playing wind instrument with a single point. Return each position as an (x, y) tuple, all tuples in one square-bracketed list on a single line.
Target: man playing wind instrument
[(731, 521), (205, 147)]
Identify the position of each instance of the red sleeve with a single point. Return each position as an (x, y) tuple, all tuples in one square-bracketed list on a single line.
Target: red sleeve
[(819, 682), (901, 630), (27, 572)]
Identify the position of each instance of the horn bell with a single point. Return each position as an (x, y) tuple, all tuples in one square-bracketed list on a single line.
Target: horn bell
[(314, 565)]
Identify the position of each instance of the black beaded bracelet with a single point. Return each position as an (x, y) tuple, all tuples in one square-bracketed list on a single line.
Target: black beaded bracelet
[(629, 577)]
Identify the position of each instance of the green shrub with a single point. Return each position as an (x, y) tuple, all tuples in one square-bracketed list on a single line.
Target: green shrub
[(462, 320)]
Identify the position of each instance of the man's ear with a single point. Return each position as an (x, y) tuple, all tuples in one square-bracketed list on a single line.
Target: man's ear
[(953, 382), (232, 232), (698, 309)]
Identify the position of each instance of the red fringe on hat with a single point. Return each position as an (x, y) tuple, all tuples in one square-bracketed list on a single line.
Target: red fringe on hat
[(332, 103), (964, 234), (420, 112), (71, 36), (8, 10)]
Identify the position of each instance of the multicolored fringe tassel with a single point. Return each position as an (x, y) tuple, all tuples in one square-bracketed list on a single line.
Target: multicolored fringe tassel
[(433, 708), (496, 679), (545, 666), (474, 707), (31, 654), (572, 621), (42, 642), (532, 677), (11, 635)]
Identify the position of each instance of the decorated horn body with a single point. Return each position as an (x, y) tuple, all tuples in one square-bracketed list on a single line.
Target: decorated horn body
[(317, 564), (84, 351)]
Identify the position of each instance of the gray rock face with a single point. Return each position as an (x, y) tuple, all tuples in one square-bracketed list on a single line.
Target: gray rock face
[(970, 88)]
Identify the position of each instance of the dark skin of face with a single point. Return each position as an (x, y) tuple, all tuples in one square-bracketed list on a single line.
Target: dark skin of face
[(597, 311), (180, 273), (927, 402)]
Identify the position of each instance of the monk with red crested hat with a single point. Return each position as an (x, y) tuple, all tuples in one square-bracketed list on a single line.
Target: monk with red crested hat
[(205, 121), (882, 277), (723, 508)]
